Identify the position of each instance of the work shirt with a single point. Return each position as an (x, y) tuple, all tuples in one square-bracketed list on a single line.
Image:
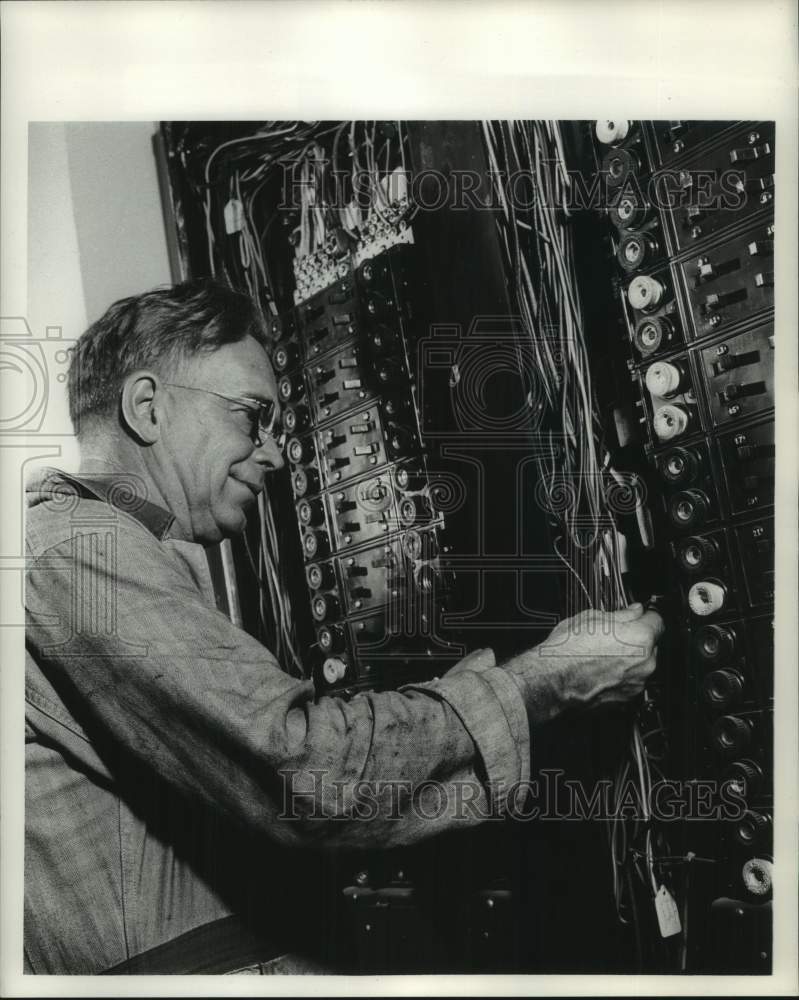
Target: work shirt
[(160, 739)]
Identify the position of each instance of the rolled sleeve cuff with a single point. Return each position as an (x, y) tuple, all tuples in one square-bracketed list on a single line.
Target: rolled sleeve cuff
[(489, 704)]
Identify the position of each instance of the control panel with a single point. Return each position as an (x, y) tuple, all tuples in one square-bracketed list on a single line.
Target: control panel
[(692, 230)]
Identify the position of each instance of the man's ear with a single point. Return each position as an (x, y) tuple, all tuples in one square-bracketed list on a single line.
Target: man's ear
[(140, 406)]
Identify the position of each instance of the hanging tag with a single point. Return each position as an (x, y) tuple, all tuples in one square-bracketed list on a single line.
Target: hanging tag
[(234, 216), (667, 913)]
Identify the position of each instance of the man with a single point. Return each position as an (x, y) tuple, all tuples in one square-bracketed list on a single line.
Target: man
[(160, 738)]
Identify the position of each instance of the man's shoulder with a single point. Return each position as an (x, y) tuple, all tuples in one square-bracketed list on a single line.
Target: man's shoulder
[(61, 504)]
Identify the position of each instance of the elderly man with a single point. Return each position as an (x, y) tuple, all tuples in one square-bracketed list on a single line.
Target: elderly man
[(160, 736)]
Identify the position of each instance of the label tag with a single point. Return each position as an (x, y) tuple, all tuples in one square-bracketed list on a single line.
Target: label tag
[(234, 216), (667, 913)]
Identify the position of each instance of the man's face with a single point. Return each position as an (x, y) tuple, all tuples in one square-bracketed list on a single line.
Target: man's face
[(216, 469)]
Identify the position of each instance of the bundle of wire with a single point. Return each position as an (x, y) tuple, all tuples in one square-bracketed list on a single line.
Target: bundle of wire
[(577, 477)]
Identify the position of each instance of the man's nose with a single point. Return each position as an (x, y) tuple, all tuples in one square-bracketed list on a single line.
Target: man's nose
[(268, 453)]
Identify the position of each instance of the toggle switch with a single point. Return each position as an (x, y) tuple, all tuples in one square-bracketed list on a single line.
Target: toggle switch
[(354, 569), (750, 153), (754, 185), (324, 375), (765, 279), (339, 463), (736, 390), (716, 301), (342, 506), (728, 362), (761, 248), (333, 441), (360, 592), (708, 271), (750, 452)]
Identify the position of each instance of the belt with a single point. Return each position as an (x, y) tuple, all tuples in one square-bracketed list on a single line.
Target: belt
[(225, 945)]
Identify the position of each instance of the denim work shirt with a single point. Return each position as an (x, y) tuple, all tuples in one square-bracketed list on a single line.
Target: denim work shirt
[(159, 737)]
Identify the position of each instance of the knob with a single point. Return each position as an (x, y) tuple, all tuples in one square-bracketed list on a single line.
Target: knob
[(665, 378), (670, 421), (291, 387), (652, 334), (305, 481), (618, 165), (311, 512), (645, 293), (715, 643), (732, 734), (757, 875), (315, 544), (333, 669), (688, 508), (324, 606), (707, 597), (636, 250), (745, 777), (753, 830), (680, 465), (609, 133), (296, 419), (697, 554), (284, 356), (320, 576), (331, 639), (723, 688), (299, 450)]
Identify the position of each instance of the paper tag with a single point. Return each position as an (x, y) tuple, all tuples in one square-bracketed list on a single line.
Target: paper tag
[(234, 216), (667, 913)]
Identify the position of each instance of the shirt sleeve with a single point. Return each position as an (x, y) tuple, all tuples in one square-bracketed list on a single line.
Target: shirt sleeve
[(162, 678)]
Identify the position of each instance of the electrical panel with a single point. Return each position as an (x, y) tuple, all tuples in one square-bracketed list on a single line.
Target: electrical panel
[(419, 525), (692, 228)]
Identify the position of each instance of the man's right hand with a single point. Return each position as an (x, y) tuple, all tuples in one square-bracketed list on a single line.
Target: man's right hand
[(593, 659)]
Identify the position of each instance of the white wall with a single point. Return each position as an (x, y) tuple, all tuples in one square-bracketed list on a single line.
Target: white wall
[(95, 233)]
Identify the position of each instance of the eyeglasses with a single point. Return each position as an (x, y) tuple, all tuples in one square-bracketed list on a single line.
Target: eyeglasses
[(264, 417)]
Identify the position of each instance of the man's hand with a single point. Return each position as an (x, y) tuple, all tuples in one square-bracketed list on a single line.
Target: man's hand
[(593, 659)]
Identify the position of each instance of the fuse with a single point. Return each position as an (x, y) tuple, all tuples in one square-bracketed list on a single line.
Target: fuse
[(745, 775), (688, 508), (299, 450), (645, 293), (291, 387), (715, 643), (707, 597), (732, 734), (679, 465), (665, 378), (305, 481), (324, 606), (315, 544), (311, 512), (331, 639), (652, 334), (296, 419), (333, 669), (697, 554), (670, 421), (723, 688), (284, 356), (320, 576), (753, 830), (611, 132)]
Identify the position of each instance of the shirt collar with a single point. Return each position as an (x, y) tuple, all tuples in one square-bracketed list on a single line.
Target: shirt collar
[(119, 490)]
